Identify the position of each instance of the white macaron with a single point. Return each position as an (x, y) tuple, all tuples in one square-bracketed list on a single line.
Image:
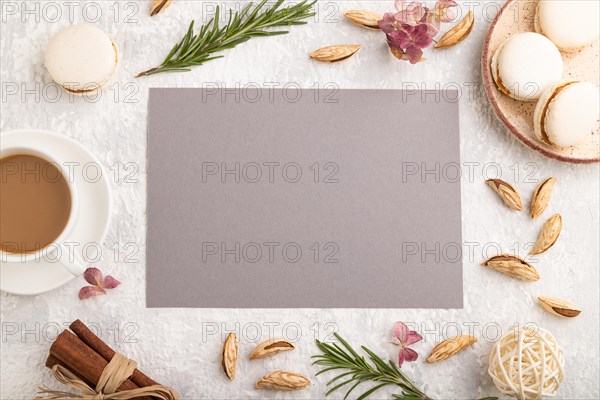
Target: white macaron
[(82, 59), (570, 24), (525, 65), (567, 113)]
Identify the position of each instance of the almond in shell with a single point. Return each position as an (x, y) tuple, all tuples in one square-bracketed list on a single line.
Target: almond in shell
[(334, 53), (282, 380), (559, 307), (548, 235), (364, 19), (507, 193), (458, 33), (230, 355), (450, 347), (513, 266), (158, 6), (270, 347), (541, 197)]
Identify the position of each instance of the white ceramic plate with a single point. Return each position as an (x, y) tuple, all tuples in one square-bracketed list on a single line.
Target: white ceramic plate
[(91, 222)]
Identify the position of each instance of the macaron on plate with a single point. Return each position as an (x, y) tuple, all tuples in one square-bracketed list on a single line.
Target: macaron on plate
[(522, 72)]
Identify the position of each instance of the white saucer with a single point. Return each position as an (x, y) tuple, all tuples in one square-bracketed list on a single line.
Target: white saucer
[(91, 223)]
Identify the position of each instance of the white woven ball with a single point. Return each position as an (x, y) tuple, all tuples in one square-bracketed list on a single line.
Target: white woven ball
[(527, 363)]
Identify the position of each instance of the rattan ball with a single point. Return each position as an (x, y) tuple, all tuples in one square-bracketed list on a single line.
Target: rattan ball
[(527, 363)]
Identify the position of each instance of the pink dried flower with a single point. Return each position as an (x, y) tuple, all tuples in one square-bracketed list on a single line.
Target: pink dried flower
[(388, 23), (411, 40), (406, 337), (412, 13), (110, 282), (93, 276), (413, 27)]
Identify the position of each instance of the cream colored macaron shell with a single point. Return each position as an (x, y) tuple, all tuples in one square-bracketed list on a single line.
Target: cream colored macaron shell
[(570, 24), (81, 58), (567, 113), (525, 65)]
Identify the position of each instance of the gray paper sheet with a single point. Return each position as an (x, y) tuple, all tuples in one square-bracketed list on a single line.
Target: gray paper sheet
[(268, 198)]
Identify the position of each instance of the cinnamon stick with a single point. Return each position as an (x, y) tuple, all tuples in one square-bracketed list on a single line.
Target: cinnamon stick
[(82, 360), (51, 361), (95, 343)]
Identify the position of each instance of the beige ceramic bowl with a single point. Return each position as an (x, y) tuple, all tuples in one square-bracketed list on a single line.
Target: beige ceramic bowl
[(517, 116)]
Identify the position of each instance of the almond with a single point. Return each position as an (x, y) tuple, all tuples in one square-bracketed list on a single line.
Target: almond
[(450, 347), (507, 193), (158, 6), (270, 347), (548, 235), (334, 53), (559, 307), (282, 380), (364, 19), (458, 33), (230, 355), (513, 266), (541, 197)]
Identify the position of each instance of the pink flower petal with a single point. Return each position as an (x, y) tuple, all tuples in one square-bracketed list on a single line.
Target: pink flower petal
[(414, 54), (433, 27), (413, 13), (401, 357), (399, 4), (93, 276), (422, 39), (413, 337), (409, 17), (110, 282), (388, 23), (89, 291), (409, 355), (401, 332), (398, 39)]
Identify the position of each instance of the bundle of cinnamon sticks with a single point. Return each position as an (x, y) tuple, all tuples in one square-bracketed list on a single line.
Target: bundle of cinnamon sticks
[(86, 355)]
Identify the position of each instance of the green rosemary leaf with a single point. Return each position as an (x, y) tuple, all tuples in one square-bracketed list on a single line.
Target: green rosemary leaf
[(339, 377), (344, 357), (251, 21), (379, 363), (347, 346), (336, 387), (351, 389), (368, 392), (326, 370), (404, 397)]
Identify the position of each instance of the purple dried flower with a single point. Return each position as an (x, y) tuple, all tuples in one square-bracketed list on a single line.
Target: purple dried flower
[(413, 27), (406, 337), (99, 284)]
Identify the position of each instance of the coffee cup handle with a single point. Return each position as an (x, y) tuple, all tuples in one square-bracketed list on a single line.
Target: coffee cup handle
[(72, 260)]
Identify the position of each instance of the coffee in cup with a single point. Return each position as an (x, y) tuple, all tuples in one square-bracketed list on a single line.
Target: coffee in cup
[(35, 203)]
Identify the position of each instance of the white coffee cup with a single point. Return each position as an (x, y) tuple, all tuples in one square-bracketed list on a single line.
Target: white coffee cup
[(56, 251)]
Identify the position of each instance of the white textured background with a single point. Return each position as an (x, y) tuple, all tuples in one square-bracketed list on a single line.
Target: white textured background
[(181, 347)]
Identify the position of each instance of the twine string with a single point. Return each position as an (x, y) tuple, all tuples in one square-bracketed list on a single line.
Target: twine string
[(118, 370)]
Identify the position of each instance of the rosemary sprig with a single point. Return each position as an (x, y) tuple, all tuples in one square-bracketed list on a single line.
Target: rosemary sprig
[(358, 370), (241, 26)]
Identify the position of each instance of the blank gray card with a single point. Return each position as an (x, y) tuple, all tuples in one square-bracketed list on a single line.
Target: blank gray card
[(269, 198)]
